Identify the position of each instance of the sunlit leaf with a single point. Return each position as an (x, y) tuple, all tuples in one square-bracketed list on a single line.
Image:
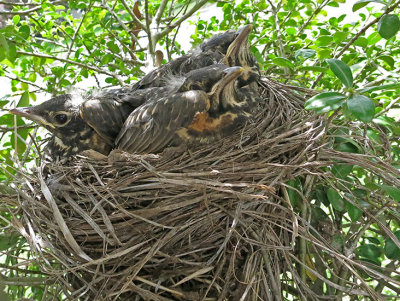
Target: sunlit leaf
[(374, 38), (24, 100), (361, 3), (380, 87), (325, 102), (303, 54), (313, 68), (283, 62), (16, 19)]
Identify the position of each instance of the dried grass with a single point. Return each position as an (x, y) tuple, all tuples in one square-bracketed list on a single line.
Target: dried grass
[(210, 223)]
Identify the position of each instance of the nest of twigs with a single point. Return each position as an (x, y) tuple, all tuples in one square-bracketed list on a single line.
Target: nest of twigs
[(213, 222)]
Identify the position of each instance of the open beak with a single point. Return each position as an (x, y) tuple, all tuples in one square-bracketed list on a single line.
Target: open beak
[(28, 112), (235, 47)]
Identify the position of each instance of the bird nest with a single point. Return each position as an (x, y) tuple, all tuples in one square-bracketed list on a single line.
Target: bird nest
[(208, 222)]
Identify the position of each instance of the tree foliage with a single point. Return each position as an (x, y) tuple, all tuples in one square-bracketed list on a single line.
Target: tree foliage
[(352, 58)]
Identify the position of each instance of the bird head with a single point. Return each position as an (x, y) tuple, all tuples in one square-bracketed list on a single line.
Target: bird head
[(238, 54), (61, 116), (224, 90), (219, 42)]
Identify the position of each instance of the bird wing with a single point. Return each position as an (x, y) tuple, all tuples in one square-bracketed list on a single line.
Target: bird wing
[(105, 116), (155, 125)]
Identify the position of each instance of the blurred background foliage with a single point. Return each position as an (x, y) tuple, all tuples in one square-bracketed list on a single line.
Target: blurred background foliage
[(348, 50)]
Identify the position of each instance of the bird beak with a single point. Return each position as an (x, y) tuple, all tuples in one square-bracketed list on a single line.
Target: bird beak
[(28, 112), (237, 44), (232, 73)]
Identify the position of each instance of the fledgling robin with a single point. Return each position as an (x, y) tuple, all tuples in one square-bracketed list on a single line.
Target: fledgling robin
[(187, 117), (211, 52)]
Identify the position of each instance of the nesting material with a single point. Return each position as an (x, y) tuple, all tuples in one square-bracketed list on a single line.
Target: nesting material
[(208, 222)]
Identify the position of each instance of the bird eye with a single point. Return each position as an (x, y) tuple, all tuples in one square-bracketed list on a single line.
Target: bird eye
[(61, 118)]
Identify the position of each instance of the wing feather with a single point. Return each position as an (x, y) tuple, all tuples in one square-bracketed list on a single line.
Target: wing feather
[(154, 126)]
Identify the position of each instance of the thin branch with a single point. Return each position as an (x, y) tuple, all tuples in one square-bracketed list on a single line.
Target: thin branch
[(24, 81), (160, 11), (278, 29), (17, 3), (136, 19), (388, 107), (315, 12), (150, 36), (112, 12), (72, 63), (77, 30), (5, 129), (28, 11), (168, 29)]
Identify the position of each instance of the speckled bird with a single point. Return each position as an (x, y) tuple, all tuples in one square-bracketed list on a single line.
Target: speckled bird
[(230, 48), (188, 117)]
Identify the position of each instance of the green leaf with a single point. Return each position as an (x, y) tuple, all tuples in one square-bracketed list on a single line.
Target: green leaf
[(313, 68), (338, 242), (342, 71), (2, 54), (388, 26), (325, 102), (373, 240), (24, 100), (369, 251), (25, 31), (340, 36), (12, 52), (374, 38), (303, 54), (3, 42), (361, 41), (291, 31), (392, 251), (8, 240), (324, 41), (393, 192), (113, 47), (107, 58), (318, 215), (294, 197), (380, 87), (341, 170), (388, 60), (283, 62), (354, 212), (362, 107), (335, 199), (361, 3), (16, 19)]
